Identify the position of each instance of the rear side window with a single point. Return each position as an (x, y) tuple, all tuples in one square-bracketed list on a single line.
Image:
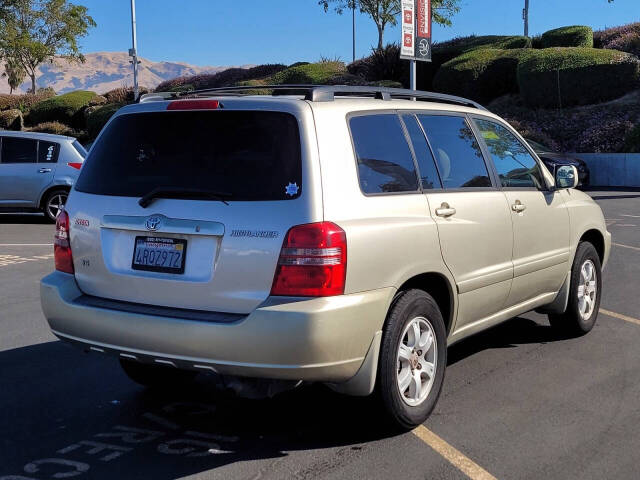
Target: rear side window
[(515, 165), (385, 163), (457, 151), (19, 150), (48, 152), (79, 148), (424, 157), (249, 155)]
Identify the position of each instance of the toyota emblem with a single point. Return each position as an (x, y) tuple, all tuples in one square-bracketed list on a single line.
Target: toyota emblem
[(153, 223)]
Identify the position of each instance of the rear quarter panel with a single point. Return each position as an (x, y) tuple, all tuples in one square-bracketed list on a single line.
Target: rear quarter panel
[(391, 237)]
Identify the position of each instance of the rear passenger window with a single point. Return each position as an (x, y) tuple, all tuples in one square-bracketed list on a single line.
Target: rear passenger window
[(426, 162), (515, 165), (18, 150), (48, 152), (385, 163), (457, 151)]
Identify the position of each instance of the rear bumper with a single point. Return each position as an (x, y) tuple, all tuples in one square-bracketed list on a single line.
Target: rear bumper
[(319, 339)]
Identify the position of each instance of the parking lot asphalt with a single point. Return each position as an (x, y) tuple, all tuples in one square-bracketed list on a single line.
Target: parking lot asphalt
[(518, 401)]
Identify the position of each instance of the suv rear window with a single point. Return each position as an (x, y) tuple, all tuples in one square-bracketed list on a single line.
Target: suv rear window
[(249, 155)]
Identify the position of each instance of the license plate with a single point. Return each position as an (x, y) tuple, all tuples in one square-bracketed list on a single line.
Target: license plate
[(155, 254)]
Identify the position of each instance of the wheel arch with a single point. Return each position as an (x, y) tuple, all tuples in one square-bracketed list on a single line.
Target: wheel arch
[(49, 190), (440, 288), (595, 238)]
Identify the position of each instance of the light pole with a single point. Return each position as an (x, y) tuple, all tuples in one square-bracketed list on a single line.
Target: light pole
[(525, 17), (133, 52), (353, 8)]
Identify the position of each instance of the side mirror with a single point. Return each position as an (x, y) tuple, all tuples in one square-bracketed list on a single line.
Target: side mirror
[(566, 176)]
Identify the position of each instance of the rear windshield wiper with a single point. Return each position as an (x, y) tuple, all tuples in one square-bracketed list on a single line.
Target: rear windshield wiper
[(182, 192)]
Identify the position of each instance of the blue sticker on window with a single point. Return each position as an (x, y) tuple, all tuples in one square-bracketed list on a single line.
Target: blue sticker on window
[(292, 189)]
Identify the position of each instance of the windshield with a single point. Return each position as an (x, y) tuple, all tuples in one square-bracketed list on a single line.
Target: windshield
[(247, 154), (539, 147)]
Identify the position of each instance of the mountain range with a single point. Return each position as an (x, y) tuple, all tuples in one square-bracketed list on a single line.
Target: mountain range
[(104, 71)]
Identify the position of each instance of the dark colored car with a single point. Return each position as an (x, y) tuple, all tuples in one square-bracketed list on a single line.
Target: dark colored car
[(553, 159)]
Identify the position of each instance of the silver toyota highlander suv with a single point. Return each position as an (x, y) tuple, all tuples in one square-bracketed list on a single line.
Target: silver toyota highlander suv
[(37, 170), (344, 235)]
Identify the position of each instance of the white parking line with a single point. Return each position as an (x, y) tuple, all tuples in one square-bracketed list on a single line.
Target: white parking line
[(452, 455), (626, 246)]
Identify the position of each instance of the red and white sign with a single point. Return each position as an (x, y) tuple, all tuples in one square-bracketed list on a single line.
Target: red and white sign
[(408, 28), (416, 30)]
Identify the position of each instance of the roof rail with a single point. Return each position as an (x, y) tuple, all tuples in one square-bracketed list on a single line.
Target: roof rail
[(320, 93)]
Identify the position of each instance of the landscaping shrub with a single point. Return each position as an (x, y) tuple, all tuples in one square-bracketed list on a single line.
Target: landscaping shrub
[(384, 64), (482, 74), (225, 78), (313, 73), (625, 38), (24, 102), (595, 128), (99, 118), (575, 36), (632, 140), (11, 120), (558, 77), (122, 95), (65, 109), (55, 128)]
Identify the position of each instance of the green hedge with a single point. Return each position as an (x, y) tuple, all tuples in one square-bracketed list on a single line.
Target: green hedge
[(65, 108), (559, 77), (482, 74), (313, 73), (446, 51), (99, 118), (575, 36), (632, 140)]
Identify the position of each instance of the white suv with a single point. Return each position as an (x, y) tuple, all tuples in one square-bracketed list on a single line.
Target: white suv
[(342, 235)]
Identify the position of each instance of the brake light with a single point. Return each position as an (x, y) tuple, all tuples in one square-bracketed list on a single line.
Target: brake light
[(313, 262), (194, 105), (76, 165), (61, 246)]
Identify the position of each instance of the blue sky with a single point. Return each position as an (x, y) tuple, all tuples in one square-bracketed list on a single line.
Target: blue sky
[(237, 32)]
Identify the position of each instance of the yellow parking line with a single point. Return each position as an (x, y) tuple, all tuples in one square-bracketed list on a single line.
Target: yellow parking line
[(626, 246), (452, 455), (626, 318)]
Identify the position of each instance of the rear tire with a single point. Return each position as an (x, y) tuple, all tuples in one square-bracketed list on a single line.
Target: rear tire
[(54, 203), (584, 294), (155, 376), (413, 359)]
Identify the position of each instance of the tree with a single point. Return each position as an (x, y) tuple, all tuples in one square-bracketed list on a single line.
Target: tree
[(385, 12), (15, 74), (35, 31)]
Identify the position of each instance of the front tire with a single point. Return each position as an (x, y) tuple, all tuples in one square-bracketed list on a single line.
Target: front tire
[(54, 203), (413, 359), (155, 376), (584, 294)]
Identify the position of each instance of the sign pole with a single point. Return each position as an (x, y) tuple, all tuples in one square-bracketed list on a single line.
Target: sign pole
[(413, 75), (134, 51), (354, 30)]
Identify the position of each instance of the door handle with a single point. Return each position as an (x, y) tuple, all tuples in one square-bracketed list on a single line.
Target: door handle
[(518, 207), (44, 170), (445, 210)]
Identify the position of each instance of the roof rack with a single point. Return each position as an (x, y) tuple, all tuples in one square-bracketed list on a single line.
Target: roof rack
[(318, 93)]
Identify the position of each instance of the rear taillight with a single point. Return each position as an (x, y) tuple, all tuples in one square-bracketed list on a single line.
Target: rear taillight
[(313, 262), (61, 246), (76, 165)]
